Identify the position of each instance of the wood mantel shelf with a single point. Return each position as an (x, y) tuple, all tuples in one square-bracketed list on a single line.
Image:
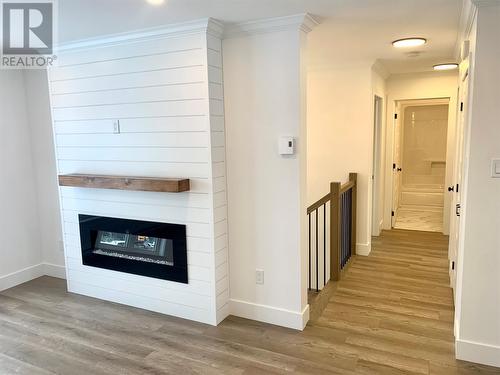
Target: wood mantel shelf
[(169, 185)]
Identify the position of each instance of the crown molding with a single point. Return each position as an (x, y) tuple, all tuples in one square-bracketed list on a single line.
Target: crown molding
[(486, 3), (205, 25), (215, 28), (300, 22)]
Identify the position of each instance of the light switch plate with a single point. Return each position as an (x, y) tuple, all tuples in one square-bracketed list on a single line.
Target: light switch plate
[(116, 126), (286, 146), (495, 168)]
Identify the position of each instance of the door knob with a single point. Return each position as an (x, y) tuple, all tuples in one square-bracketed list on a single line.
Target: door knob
[(399, 169), (451, 188)]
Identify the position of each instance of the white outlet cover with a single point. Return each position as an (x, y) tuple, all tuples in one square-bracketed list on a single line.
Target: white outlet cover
[(259, 277), (495, 168)]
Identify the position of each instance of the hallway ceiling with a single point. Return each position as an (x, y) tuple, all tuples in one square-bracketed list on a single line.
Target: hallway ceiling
[(350, 30)]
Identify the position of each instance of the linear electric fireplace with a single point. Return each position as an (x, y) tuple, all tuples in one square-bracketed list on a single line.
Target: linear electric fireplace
[(139, 247)]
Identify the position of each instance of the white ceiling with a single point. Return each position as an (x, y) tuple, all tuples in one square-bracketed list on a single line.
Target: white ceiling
[(350, 29)]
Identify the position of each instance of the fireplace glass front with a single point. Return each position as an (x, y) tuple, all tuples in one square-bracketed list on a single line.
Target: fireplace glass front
[(138, 247)]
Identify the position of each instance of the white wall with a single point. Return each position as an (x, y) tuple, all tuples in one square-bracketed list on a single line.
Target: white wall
[(420, 86), (262, 78), (340, 134), (478, 305), (20, 252), (42, 149), (166, 90)]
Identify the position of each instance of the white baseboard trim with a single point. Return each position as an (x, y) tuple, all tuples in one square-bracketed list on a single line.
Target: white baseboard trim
[(363, 249), (477, 352), (30, 273), (269, 314), (54, 270), (22, 276)]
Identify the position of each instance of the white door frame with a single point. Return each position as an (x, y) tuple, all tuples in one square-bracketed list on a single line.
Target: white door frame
[(458, 173), (377, 176), (390, 145)]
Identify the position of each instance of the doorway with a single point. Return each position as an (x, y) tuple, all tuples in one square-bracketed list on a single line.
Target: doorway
[(419, 164)]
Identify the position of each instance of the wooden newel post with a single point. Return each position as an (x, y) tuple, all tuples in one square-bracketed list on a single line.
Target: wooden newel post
[(353, 177), (335, 231)]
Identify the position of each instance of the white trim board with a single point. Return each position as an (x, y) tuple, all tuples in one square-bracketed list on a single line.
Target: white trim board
[(363, 249), (204, 25), (303, 22), (269, 314), (54, 270), (30, 273), (477, 352)]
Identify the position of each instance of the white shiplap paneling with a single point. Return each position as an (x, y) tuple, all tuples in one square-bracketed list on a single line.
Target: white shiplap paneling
[(167, 95)]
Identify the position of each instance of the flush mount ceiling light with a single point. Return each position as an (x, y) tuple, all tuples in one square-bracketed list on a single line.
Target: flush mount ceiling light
[(409, 42), (447, 66), (155, 2)]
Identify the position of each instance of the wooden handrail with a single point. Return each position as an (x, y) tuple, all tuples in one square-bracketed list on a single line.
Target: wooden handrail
[(347, 186), (319, 203)]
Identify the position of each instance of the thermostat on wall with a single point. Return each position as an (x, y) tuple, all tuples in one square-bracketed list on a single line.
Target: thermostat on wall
[(287, 146)]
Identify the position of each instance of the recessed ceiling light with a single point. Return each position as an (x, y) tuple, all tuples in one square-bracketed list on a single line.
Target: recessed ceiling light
[(409, 42), (155, 2), (447, 66)]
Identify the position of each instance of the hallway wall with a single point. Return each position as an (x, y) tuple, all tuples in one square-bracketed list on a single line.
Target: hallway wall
[(340, 135), (44, 161), (478, 290), (266, 190), (20, 255)]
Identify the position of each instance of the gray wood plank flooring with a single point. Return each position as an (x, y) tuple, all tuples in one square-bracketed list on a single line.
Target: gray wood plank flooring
[(392, 314)]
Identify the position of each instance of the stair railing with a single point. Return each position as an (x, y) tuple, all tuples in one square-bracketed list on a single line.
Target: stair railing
[(332, 229)]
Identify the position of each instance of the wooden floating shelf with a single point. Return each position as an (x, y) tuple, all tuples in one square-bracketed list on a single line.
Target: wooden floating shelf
[(169, 185)]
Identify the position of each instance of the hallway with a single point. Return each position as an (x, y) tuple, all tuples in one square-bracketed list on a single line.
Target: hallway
[(395, 307)]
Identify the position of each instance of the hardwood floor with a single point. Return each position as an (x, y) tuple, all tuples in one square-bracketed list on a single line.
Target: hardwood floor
[(392, 314), (429, 219)]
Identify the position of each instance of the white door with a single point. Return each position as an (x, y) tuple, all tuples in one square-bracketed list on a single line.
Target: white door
[(456, 189), (396, 166)]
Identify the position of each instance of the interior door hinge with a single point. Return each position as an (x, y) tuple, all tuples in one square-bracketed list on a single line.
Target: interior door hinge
[(452, 265), (393, 166), (395, 116), (392, 213), (457, 209), (461, 106), (456, 190)]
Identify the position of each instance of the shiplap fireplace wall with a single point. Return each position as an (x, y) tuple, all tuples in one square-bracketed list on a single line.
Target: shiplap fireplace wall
[(165, 88)]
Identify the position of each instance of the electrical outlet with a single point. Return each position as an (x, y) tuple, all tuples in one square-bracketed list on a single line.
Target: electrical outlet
[(116, 126), (259, 277)]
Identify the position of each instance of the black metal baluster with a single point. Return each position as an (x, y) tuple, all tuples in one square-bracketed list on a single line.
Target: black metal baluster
[(344, 199), (341, 231), (350, 223), (309, 240), (317, 257), (324, 244)]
